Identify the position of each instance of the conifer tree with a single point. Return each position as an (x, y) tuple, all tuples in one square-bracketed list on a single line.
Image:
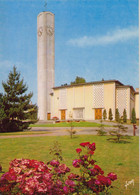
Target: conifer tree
[(124, 116), (117, 115), (133, 118), (2, 113), (104, 114), (16, 103), (110, 114)]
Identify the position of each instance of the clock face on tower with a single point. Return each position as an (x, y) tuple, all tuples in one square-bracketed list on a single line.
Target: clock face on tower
[(40, 31), (49, 30)]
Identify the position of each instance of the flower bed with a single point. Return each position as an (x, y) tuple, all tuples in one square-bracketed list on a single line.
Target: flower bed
[(31, 177)]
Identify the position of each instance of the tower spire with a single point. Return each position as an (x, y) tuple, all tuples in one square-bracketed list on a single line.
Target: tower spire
[(45, 5)]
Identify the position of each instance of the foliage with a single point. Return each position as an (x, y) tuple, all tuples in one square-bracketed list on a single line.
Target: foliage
[(56, 151), (104, 114), (78, 80), (124, 116), (16, 104), (30, 177), (2, 113), (71, 130), (117, 115), (133, 117), (55, 118), (101, 131), (33, 113), (110, 116), (118, 133)]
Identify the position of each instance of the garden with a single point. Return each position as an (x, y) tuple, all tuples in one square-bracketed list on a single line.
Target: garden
[(115, 164)]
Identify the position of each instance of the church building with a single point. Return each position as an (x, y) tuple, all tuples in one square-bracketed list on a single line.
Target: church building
[(85, 101)]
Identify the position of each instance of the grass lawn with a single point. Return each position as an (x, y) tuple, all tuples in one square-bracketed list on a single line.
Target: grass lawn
[(112, 157), (68, 124)]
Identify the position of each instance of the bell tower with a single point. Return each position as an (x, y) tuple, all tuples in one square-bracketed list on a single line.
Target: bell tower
[(45, 62)]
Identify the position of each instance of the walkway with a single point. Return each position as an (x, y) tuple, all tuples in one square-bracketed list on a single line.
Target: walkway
[(60, 131)]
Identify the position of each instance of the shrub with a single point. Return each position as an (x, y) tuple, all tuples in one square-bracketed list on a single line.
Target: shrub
[(118, 135), (104, 114), (55, 118), (31, 177), (124, 116), (117, 115), (133, 118), (110, 116), (101, 131)]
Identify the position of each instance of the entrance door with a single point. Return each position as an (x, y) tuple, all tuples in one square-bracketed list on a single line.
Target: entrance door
[(63, 114), (48, 116), (98, 113)]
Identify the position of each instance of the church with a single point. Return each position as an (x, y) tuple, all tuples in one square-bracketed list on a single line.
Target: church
[(85, 101)]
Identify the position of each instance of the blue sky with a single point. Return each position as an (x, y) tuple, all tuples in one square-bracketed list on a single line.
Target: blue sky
[(94, 39)]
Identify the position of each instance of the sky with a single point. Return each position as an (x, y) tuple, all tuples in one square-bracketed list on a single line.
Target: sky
[(94, 39)]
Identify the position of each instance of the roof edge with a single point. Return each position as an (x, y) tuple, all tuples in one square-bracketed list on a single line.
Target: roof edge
[(89, 83)]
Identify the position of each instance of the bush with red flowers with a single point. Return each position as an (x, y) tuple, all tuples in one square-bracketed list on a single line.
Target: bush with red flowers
[(32, 177)]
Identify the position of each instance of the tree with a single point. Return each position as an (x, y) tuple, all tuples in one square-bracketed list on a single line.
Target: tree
[(117, 115), (78, 80), (71, 130), (101, 131), (133, 118), (118, 134), (17, 104), (110, 116), (124, 116), (2, 113), (104, 114)]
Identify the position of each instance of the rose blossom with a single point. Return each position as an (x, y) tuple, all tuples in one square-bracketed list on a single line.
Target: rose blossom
[(54, 163), (104, 180), (92, 146), (78, 150), (76, 163), (99, 170), (84, 144), (112, 176)]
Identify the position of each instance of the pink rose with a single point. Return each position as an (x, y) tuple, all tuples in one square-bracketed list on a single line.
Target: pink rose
[(99, 170), (112, 176), (92, 146), (54, 163), (76, 163), (78, 150), (104, 180), (84, 144), (65, 189)]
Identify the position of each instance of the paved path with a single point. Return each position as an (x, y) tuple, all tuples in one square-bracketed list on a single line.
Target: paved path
[(60, 131)]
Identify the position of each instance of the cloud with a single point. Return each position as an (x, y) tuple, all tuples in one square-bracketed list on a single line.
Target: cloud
[(119, 35)]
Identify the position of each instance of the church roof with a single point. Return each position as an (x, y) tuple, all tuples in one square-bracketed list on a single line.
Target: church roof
[(118, 83)]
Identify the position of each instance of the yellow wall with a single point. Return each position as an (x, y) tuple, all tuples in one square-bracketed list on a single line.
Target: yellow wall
[(82, 97), (70, 101), (79, 96), (109, 98), (89, 111), (137, 105), (55, 104)]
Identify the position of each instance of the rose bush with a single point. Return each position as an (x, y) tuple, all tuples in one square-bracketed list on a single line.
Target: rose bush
[(32, 177)]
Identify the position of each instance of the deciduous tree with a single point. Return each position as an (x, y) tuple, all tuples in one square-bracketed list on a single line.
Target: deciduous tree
[(78, 80)]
